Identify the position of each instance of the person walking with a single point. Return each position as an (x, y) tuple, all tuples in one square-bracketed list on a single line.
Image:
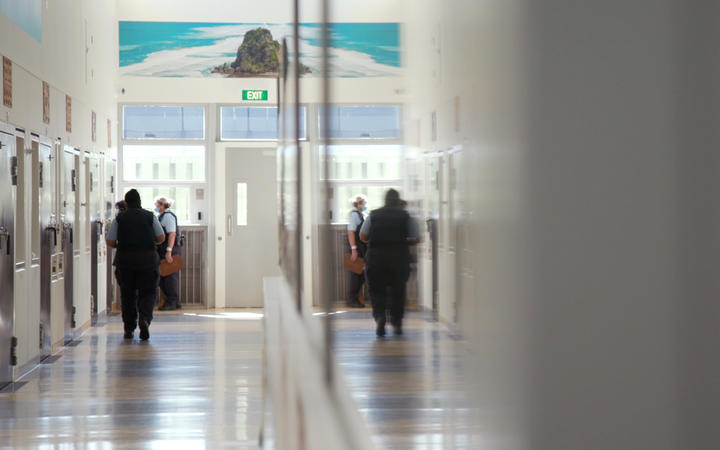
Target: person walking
[(135, 233), (169, 285), (356, 248), (389, 233)]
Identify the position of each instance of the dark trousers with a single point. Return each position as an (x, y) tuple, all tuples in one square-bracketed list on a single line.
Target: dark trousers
[(170, 286), (387, 291), (355, 284), (138, 292)]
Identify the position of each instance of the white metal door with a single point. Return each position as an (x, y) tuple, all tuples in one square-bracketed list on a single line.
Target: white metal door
[(250, 225)]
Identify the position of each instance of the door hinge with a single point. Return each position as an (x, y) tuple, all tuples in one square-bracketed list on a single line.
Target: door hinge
[(14, 170), (42, 335), (72, 318), (13, 351), (72, 179), (40, 184)]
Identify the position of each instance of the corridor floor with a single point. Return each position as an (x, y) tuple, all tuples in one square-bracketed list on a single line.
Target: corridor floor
[(195, 384), (411, 389)]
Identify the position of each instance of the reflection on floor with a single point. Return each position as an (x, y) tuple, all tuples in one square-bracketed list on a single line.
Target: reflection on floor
[(195, 384), (410, 388)]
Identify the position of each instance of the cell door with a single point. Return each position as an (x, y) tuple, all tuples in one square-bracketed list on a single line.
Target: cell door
[(251, 225), (433, 175), (96, 233), (110, 196), (8, 167), (68, 192), (48, 239)]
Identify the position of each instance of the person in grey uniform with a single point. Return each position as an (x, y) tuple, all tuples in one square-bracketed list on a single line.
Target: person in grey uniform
[(135, 233), (170, 285), (356, 248), (389, 232)]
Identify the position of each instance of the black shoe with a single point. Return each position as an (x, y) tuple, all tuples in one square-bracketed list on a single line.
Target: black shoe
[(167, 307), (380, 329), (179, 306), (397, 329), (128, 335), (355, 304), (144, 330)]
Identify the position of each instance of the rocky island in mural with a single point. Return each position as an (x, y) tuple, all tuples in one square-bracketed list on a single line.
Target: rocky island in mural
[(257, 56)]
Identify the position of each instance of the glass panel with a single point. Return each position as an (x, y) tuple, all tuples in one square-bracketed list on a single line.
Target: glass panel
[(365, 162), (163, 122), (253, 123), (344, 194), (362, 122), (179, 196), (241, 210), (163, 162)]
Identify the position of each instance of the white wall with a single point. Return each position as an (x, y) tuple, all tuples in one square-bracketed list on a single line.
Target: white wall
[(60, 60), (250, 11), (77, 57)]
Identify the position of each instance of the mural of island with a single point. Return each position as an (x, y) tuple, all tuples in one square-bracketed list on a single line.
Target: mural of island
[(183, 49), (258, 56)]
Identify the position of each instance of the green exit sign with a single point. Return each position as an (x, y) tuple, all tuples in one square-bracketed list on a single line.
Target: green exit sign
[(255, 95)]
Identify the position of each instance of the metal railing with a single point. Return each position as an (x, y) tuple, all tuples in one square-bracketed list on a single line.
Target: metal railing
[(193, 278)]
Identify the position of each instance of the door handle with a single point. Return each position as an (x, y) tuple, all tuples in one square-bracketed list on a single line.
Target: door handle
[(228, 225)]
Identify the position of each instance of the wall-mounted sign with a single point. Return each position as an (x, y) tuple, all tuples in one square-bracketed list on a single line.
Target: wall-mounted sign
[(250, 95), (7, 82), (46, 102), (68, 114)]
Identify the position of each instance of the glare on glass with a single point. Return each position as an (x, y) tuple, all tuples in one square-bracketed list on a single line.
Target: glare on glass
[(241, 210), (163, 162), (180, 197), (163, 122), (252, 123)]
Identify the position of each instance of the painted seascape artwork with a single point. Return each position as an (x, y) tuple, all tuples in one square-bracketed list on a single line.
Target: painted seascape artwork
[(184, 49)]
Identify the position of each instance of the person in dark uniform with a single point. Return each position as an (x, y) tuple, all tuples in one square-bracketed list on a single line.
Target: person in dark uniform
[(356, 248), (389, 232), (170, 285), (135, 233)]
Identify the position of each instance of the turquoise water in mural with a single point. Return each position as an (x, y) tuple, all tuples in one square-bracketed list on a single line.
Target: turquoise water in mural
[(27, 14), (180, 49)]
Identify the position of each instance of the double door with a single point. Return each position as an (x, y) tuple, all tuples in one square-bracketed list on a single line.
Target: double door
[(8, 176)]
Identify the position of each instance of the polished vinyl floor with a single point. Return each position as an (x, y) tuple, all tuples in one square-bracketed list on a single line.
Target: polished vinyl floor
[(195, 384), (411, 389)]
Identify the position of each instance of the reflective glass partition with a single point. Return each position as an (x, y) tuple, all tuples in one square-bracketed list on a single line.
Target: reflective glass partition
[(163, 122), (361, 169), (253, 123), (362, 121)]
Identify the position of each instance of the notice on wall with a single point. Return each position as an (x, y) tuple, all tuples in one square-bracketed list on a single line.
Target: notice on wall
[(109, 131), (68, 114), (46, 102), (93, 126), (7, 82)]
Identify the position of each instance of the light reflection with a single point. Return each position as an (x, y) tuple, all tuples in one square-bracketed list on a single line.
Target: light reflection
[(328, 314), (231, 315)]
